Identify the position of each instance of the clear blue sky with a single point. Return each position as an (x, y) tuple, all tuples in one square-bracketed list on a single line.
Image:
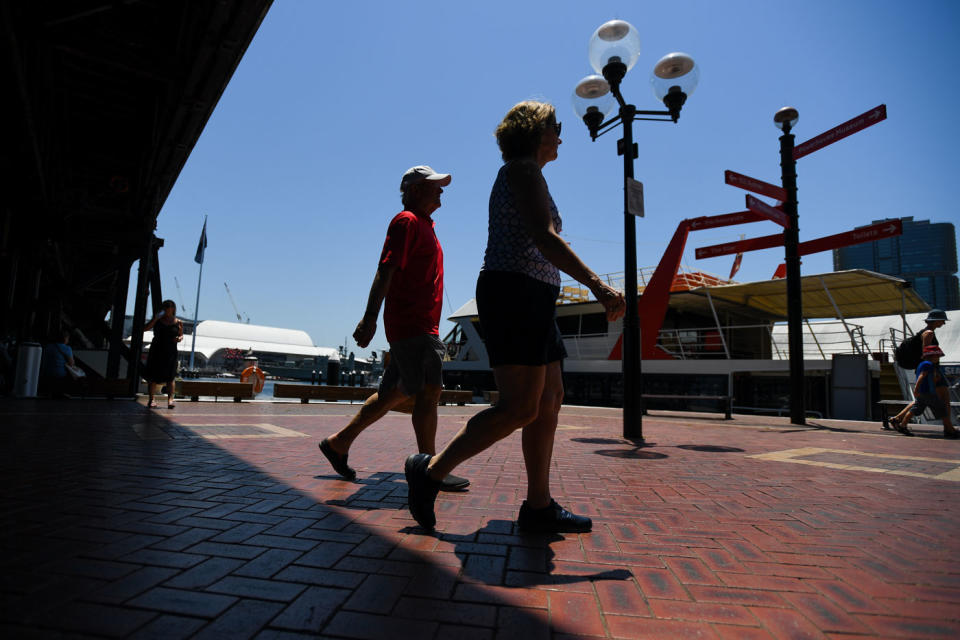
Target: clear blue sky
[(299, 166)]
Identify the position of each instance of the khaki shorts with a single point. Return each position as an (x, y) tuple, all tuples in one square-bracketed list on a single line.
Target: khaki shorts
[(414, 363)]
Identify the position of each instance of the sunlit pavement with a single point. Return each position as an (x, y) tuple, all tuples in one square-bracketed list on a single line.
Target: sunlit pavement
[(223, 520)]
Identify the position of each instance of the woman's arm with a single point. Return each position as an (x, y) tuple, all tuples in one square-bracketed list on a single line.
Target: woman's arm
[(533, 204), (153, 321), (180, 330)]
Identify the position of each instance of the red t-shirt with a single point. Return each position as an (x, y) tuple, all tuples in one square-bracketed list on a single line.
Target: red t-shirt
[(415, 298)]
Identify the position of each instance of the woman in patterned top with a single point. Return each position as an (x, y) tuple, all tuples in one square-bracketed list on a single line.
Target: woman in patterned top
[(517, 292)]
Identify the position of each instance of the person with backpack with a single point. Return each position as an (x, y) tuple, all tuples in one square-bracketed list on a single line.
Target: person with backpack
[(931, 392), (909, 353)]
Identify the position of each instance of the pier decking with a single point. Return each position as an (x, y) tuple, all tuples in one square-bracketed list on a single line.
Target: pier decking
[(223, 520)]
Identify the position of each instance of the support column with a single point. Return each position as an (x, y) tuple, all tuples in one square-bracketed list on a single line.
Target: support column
[(156, 293), (117, 316), (139, 315)]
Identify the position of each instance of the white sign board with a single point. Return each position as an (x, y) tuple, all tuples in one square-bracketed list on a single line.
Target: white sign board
[(635, 197)]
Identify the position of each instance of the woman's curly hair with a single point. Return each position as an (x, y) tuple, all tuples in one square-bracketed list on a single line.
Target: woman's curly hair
[(518, 134)]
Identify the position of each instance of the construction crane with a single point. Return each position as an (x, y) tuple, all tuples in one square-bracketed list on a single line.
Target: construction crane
[(235, 309), (183, 304)]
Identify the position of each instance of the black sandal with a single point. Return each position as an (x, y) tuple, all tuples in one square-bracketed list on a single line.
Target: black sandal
[(902, 428)]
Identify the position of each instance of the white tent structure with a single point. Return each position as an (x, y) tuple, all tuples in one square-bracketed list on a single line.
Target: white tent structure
[(214, 337), (827, 337)]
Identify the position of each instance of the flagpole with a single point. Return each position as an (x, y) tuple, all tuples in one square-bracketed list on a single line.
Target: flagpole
[(196, 307)]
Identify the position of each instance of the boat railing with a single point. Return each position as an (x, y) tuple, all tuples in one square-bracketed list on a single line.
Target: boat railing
[(734, 342), (685, 278), (761, 341)]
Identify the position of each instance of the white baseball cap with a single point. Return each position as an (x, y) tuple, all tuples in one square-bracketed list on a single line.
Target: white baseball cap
[(420, 173)]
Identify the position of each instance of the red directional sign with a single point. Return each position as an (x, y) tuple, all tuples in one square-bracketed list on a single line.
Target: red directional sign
[(752, 184), (877, 231), (840, 132), (772, 213), (725, 220), (753, 244)]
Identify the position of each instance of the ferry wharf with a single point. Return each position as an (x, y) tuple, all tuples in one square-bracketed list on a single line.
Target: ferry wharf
[(222, 520)]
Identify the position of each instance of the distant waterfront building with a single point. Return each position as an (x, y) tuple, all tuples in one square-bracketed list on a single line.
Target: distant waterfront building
[(925, 255)]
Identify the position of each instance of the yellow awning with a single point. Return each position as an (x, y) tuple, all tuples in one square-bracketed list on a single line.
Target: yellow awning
[(856, 293)]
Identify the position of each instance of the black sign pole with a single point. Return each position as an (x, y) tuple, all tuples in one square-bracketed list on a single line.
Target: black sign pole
[(791, 241)]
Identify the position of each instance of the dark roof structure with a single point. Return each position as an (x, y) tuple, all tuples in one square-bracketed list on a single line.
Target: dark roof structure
[(104, 100)]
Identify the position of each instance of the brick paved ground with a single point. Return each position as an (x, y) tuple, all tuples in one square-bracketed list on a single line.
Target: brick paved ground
[(222, 520)]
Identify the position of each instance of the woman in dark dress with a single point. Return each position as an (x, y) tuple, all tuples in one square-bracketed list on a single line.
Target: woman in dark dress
[(163, 357)]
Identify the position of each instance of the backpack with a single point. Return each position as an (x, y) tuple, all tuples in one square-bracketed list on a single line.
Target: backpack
[(909, 353)]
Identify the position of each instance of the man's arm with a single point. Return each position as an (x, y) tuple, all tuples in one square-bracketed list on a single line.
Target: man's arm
[(378, 291)]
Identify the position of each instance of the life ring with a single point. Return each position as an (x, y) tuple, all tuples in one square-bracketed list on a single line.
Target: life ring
[(254, 374)]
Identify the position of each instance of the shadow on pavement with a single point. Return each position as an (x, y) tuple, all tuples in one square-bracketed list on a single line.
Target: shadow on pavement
[(112, 527)]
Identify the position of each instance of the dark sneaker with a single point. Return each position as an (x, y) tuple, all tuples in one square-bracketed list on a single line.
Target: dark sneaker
[(337, 460), (454, 483), (421, 490), (551, 519)]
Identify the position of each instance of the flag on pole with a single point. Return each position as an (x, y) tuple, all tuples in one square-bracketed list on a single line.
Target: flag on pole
[(736, 266), (736, 262), (202, 245)]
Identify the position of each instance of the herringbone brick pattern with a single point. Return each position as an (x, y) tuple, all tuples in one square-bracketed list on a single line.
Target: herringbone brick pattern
[(223, 521)]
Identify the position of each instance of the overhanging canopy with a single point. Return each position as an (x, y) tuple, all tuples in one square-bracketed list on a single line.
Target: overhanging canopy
[(856, 293)]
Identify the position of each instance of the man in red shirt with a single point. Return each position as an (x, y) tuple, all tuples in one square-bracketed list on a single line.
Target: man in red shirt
[(410, 278)]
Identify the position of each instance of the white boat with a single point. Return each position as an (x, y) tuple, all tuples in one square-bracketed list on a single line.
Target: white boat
[(715, 337)]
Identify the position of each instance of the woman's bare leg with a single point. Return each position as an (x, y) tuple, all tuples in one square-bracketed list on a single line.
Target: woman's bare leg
[(943, 393), (521, 388), (538, 438)]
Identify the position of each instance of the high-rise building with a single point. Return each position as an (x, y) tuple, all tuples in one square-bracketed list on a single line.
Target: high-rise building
[(925, 256)]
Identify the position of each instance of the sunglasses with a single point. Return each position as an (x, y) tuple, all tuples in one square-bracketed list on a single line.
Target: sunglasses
[(557, 126)]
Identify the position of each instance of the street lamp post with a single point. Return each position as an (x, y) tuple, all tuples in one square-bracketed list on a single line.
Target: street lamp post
[(785, 119), (614, 49)]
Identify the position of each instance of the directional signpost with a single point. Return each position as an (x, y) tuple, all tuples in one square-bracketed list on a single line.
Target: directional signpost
[(771, 213), (879, 231), (752, 184), (786, 216), (740, 246), (841, 131), (725, 220)]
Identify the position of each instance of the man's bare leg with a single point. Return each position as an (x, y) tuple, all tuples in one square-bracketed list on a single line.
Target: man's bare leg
[(425, 418), (375, 407)]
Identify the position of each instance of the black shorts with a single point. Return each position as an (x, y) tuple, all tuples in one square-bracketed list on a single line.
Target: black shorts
[(924, 401), (518, 317)]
